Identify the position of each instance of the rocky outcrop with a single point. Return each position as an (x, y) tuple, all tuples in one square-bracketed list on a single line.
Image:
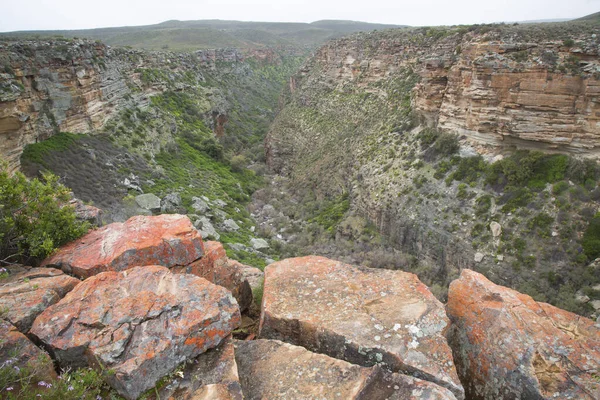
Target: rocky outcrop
[(275, 370), (168, 240), (19, 353), (215, 267), (361, 315), (24, 295), (142, 323), (507, 345), (211, 376)]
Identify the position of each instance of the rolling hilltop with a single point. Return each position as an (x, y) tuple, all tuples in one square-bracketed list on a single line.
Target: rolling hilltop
[(193, 35)]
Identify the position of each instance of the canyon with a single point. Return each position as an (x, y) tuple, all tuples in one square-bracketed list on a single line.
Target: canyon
[(373, 218)]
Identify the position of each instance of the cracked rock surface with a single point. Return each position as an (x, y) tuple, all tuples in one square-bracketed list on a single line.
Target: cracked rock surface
[(362, 315), (24, 295), (507, 345), (270, 369), (168, 240), (141, 323)]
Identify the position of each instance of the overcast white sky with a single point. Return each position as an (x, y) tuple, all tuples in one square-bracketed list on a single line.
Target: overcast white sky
[(80, 14)]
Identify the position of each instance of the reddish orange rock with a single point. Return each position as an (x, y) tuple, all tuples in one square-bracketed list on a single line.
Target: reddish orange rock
[(142, 323), (508, 346), (362, 315), (215, 267), (168, 240), (211, 376), (26, 294)]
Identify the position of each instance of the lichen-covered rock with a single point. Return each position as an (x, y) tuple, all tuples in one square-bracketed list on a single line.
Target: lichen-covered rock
[(253, 275), (141, 323), (17, 352), (167, 240), (211, 376), (215, 267), (508, 346), (86, 212), (270, 369), (24, 295), (362, 315), (148, 201)]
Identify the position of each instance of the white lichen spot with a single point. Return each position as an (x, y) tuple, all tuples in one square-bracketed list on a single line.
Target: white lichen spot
[(377, 338), (378, 327)]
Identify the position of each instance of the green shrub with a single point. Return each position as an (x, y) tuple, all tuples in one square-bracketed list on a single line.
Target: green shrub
[(560, 187), (483, 204), (541, 223), (591, 238), (427, 136), (469, 170), (446, 144), (515, 198), (34, 217)]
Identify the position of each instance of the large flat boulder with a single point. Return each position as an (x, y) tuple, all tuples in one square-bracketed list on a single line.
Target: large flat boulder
[(167, 240), (270, 369), (24, 295), (141, 323), (215, 267), (211, 376), (508, 346), (362, 315), (19, 354)]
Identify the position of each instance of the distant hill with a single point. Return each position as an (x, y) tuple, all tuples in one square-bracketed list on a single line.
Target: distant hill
[(591, 17), (202, 34)]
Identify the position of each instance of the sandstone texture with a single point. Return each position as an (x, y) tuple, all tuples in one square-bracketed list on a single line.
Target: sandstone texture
[(211, 376), (508, 346), (26, 294), (215, 267), (142, 323), (167, 240), (361, 315), (270, 369), (16, 351)]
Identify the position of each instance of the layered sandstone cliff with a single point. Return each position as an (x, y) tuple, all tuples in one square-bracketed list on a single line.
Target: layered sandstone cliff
[(51, 86), (529, 87)]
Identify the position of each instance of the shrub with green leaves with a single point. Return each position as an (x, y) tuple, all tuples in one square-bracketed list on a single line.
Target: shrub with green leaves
[(591, 238), (34, 217)]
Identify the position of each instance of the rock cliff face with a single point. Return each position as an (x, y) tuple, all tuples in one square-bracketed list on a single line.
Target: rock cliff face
[(51, 86), (514, 86)]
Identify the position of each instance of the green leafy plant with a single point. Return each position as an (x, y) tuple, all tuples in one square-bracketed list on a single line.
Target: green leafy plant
[(35, 217)]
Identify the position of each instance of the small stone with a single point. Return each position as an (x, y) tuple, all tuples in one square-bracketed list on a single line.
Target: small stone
[(230, 225), (148, 201), (170, 203), (479, 257), (259, 244), (496, 229)]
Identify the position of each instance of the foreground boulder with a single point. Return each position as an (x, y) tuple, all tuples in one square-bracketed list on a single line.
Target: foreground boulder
[(361, 315), (24, 295), (270, 369), (508, 346), (211, 376), (167, 240), (17, 353), (215, 267), (141, 323)]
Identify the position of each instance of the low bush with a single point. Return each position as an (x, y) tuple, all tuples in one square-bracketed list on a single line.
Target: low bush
[(34, 217)]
